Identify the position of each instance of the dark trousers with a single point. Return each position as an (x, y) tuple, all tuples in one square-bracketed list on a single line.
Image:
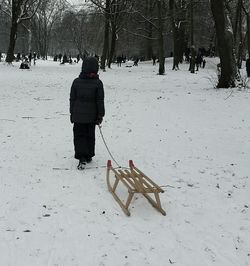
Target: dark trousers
[(84, 140)]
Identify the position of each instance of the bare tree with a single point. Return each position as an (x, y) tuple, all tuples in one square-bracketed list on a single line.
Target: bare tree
[(238, 32), (83, 29), (19, 11), (177, 12), (118, 13), (77, 26), (104, 8), (224, 33), (156, 24), (142, 24), (246, 10), (150, 6), (160, 9), (49, 12), (192, 59)]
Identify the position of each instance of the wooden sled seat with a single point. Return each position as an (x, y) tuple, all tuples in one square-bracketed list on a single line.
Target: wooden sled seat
[(136, 182)]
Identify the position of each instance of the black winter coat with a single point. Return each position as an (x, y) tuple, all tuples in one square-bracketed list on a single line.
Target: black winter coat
[(86, 99)]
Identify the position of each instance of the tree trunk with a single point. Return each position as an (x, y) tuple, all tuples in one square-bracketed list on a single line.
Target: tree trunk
[(176, 57), (149, 30), (106, 36), (248, 34), (192, 59), (247, 13), (29, 39), (112, 45), (19, 9), (149, 48), (178, 35), (237, 15), (182, 41), (179, 45), (13, 35), (160, 39), (238, 30), (225, 38), (240, 53), (175, 33)]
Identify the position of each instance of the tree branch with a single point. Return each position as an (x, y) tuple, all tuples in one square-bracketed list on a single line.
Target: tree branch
[(139, 35)]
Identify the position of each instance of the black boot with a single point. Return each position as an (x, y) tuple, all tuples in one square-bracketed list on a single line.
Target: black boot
[(88, 159), (82, 164)]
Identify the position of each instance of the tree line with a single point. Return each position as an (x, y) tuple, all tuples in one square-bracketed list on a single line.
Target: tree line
[(143, 28)]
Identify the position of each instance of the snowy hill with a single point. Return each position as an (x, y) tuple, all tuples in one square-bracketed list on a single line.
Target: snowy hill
[(189, 138)]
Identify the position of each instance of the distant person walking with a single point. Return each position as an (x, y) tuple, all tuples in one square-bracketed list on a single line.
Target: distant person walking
[(119, 61), (78, 58), (154, 60), (136, 61), (60, 57), (18, 57), (34, 58), (86, 110), (204, 63), (65, 59)]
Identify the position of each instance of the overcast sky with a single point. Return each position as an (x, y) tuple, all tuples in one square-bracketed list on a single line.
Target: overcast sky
[(76, 2)]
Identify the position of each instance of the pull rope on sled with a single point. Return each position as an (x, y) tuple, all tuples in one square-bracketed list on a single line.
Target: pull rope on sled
[(134, 180), (118, 165)]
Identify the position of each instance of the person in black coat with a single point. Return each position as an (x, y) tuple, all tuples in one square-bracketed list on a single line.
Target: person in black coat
[(248, 67), (154, 60), (25, 64), (64, 59), (86, 110)]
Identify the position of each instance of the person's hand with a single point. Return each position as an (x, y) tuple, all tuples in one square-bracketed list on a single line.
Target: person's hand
[(98, 121)]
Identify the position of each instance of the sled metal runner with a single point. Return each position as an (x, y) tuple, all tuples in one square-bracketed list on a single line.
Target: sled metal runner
[(136, 182)]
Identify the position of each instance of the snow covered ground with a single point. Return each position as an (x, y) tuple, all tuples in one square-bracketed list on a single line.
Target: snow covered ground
[(187, 136)]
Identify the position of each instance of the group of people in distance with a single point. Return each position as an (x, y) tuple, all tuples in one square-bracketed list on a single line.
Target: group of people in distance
[(65, 59), (122, 59), (26, 60)]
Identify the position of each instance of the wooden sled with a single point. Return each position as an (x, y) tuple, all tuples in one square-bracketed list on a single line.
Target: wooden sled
[(136, 182)]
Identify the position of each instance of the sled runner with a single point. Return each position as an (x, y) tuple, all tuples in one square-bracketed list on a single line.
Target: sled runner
[(136, 182)]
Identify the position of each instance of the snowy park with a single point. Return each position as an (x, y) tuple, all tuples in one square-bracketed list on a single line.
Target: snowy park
[(192, 139)]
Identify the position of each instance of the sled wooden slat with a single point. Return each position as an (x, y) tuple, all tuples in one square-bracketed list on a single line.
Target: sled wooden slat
[(137, 178), (136, 182), (125, 179), (148, 179), (144, 182)]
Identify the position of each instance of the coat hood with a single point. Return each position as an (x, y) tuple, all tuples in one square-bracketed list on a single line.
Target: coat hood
[(90, 65)]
